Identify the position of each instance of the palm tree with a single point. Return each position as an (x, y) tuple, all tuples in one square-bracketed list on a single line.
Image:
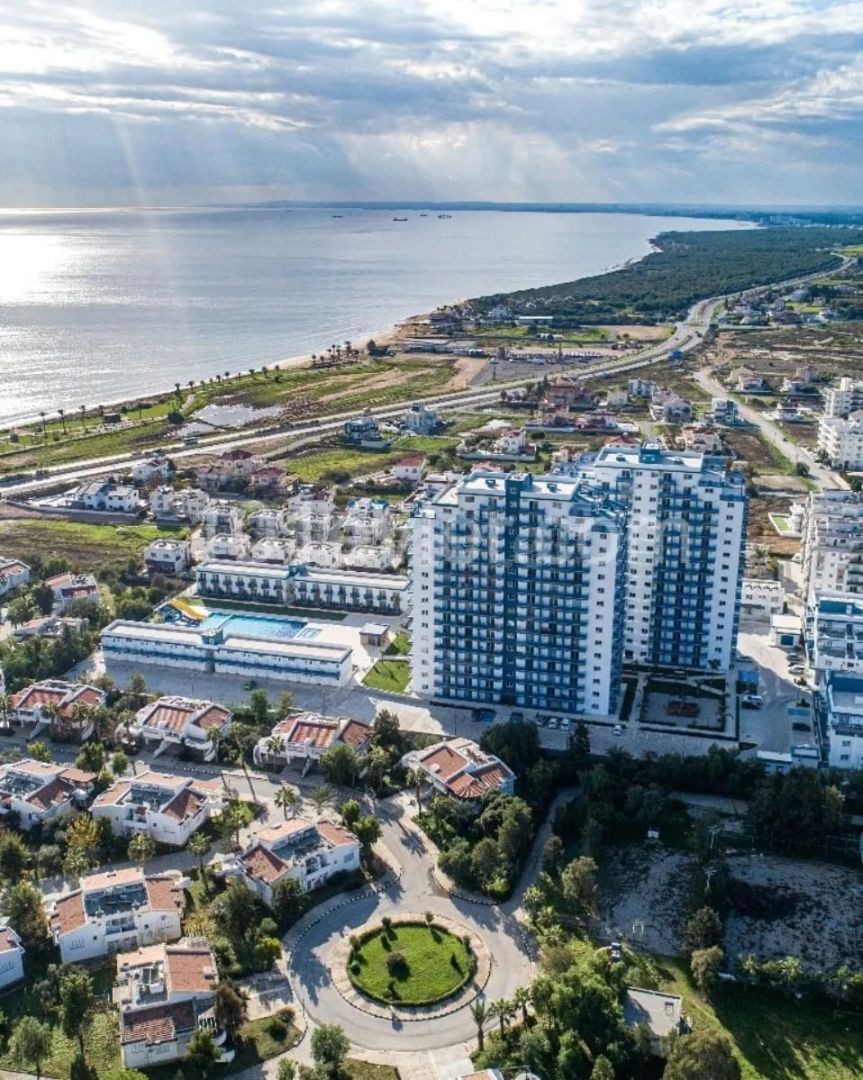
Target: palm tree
[(275, 745), (502, 1009), (321, 796), (287, 799), (42, 418), (480, 1013), (83, 410), (245, 740), (416, 779), (521, 1000), (199, 846), (62, 414)]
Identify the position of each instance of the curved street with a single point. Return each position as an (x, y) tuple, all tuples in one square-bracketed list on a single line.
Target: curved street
[(313, 940)]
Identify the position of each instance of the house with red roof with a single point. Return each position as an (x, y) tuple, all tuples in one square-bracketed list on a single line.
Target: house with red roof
[(39, 791), (164, 807), (164, 994), (116, 911), (458, 767), (63, 707), (69, 587), (13, 574), (305, 737), (307, 851), (177, 722)]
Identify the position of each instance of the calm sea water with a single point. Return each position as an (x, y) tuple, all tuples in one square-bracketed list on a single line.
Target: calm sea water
[(99, 307)]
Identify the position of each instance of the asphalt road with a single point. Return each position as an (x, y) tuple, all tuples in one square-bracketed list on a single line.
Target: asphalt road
[(825, 476)]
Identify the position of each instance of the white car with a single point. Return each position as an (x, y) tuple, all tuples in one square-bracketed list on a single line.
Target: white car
[(565, 724), (618, 729), (553, 722), (752, 701)]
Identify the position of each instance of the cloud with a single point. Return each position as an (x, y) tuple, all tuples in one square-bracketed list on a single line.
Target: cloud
[(197, 100)]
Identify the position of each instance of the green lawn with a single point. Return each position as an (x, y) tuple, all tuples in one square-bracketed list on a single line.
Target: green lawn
[(436, 964), (393, 675), (775, 1038), (400, 645), (86, 546), (102, 1041), (263, 1039), (365, 1070)]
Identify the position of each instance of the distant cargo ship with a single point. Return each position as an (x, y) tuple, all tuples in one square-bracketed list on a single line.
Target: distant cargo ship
[(399, 219)]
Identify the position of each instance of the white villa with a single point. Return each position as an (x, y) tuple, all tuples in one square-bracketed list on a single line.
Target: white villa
[(66, 707), (222, 517), (368, 521), (116, 911), (166, 808), (228, 546), (11, 955), (178, 721), (167, 556), (268, 522), (309, 852), (104, 496), (307, 736), (459, 768), (164, 994), (69, 587), (13, 574), (186, 505), (150, 469), (39, 791)]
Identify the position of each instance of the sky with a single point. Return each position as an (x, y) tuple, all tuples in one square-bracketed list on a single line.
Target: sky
[(153, 102)]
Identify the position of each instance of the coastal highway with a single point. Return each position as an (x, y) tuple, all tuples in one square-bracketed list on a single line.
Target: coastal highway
[(686, 336)]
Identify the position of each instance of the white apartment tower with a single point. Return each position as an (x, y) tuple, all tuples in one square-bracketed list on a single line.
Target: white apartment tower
[(686, 537), (517, 593), (832, 546)]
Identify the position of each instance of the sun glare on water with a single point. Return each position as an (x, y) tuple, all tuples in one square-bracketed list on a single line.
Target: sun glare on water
[(29, 266)]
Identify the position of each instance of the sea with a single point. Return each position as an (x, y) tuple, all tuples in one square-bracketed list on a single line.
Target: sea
[(103, 306)]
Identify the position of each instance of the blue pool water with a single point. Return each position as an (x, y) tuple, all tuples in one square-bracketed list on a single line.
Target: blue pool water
[(271, 627)]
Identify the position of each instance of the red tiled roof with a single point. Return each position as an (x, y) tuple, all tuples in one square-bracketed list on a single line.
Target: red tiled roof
[(53, 794), (78, 776), (185, 804), (446, 760), (8, 940), (32, 696), (163, 893), (158, 1023), (190, 970), (174, 717), (315, 732), (213, 717), (355, 733), (69, 913), (263, 864), (337, 835), (113, 794)]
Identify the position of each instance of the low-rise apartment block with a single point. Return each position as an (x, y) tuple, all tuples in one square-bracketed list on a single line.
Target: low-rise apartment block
[(839, 703), (306, 737), (117, 911), (222, 519), (183, 722), (832, 548), (298, 585), (165, 993), (761, 598), (227, 649), (844, 398), (834, 632), (841, 440), (166, 808), (310, 852), (458, 767), (105, 496), (36, 792)]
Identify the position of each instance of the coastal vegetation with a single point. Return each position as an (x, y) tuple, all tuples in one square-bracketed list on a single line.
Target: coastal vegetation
[(686, 267), (80, 545)]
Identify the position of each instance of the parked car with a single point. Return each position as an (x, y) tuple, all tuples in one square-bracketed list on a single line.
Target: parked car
[(796, 669), (542, 720), (517, 717), (752, 701), (800, 725), (553, 722), (614, 952), (618, 729), (565, 724)]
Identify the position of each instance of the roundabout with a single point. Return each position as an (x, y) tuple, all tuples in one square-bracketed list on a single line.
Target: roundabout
[(407, 968), (320, 945)]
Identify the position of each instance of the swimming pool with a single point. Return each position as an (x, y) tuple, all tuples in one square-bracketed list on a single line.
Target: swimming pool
[(268, 627)]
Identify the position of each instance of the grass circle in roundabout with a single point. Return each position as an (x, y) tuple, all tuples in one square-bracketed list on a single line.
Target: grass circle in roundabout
[(410, 963)]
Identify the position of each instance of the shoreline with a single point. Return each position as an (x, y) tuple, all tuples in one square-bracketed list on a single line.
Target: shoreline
[(386, 336)]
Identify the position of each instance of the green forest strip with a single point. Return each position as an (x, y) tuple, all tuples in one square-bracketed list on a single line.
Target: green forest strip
[(685, 268)]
